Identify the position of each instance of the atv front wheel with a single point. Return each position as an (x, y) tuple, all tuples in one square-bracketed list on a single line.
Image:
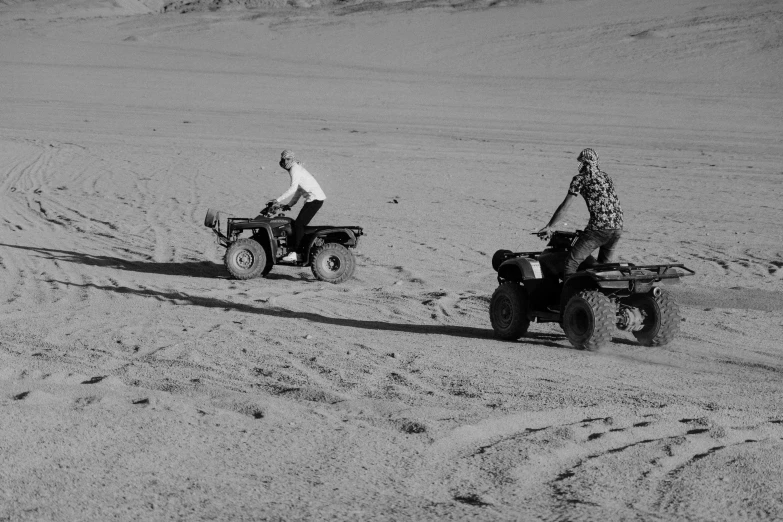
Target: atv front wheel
[(246, 259), (333, 263), (589, 320), (508, 311), (661, 317)]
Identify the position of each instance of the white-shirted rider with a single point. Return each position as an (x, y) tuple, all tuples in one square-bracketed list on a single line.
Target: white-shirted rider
[(303, 185)]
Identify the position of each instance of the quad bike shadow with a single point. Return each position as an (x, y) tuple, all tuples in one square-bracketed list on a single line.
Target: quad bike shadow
[(589, 304), (203, 269)]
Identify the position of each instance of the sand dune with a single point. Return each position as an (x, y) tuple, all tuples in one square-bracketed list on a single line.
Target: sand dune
[(138, 381)]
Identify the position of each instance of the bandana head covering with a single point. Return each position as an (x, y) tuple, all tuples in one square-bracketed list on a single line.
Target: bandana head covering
[(588, 161), (588, 156), (287, 159)]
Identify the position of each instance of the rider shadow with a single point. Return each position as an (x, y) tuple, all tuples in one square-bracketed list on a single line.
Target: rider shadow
[(206, 269), (212, 302), (531, 338)]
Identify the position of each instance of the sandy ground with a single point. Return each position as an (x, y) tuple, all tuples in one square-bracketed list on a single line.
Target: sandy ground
[(139, 382)]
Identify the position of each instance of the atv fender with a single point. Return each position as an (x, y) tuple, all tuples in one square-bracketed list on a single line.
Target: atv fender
[(519, 268), (575, 284), (342, 236), (264, 238)]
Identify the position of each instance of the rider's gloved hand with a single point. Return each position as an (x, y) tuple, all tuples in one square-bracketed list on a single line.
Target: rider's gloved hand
[(285, 207), (545, 233)]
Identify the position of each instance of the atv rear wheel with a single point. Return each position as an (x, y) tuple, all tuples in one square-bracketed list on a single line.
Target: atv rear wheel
[(333, 263), (661, 317), (508, 311), (246, 259), (589, 320), (211, 218)]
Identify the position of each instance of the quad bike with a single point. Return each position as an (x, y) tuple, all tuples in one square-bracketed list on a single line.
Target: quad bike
[(589, 304), (326, 249)]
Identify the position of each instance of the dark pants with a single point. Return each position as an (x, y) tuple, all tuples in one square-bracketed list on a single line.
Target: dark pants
[(588, 241), (309, 210)]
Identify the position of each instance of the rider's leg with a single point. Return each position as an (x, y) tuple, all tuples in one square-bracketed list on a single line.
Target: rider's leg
[(588, 241), (606, 253), (309, 210)]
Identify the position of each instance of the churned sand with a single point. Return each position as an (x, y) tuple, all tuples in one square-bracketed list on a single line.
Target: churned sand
[(139, 382)]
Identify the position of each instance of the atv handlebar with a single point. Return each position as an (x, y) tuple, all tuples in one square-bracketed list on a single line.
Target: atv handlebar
[(272, 208), (546, 235)]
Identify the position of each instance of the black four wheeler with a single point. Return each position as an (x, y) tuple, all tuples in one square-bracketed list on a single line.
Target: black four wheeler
[(326, 249), (589, 304)]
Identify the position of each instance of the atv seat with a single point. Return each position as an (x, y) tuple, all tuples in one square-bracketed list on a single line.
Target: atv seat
[(314, 229), (553, 264), (357, 230), (289, 229)]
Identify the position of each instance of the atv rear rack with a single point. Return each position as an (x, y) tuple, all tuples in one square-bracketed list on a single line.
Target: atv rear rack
[(636, 278), (631, 272)]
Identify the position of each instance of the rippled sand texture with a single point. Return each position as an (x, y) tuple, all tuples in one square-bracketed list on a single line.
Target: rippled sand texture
[(139, 382)]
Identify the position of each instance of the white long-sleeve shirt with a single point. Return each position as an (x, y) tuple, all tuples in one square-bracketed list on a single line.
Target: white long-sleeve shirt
[(303, 184)]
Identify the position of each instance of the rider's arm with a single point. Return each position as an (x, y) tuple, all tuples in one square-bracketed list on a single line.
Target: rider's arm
[(293, 201), (292, 190), (559, 214)]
